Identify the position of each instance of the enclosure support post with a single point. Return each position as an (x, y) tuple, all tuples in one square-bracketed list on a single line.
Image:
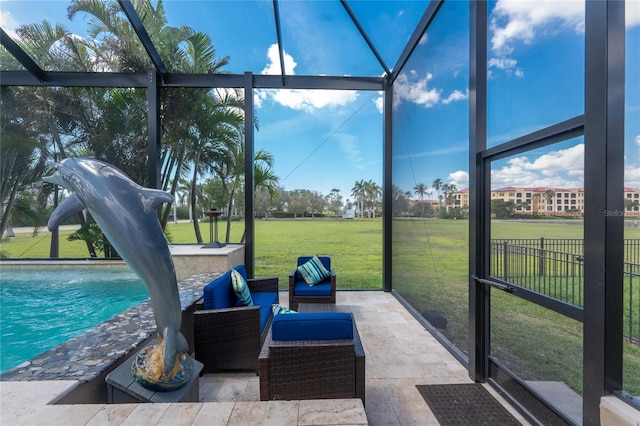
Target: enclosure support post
[(604, 205), (249, 186), (478, 189), (153, 128), (387, 188)]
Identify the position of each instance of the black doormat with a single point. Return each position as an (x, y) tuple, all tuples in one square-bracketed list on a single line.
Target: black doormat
[(465, 404)]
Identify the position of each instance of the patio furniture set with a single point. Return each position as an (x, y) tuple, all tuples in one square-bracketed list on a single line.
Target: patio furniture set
[(305, 351), (308, 350)]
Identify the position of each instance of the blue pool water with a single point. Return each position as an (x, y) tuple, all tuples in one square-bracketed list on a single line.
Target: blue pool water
[(40, 309)]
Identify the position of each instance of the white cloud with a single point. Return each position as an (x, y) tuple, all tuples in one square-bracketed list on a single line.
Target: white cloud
[(412, 87), (273, 62), (632, 13), (513, 21), (456, 95), (502, 63), (507, 64), (379, 101), (460, 179), (307, 100), (632, 171), (632, 176), (416, 90), (561, 168)]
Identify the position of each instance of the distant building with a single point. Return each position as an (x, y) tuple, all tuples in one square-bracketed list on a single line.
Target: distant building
[(461, 198), (632, 202), (545, 201)]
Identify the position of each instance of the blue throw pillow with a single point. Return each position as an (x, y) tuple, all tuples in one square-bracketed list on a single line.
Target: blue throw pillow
[(313, 271), (240, 287)]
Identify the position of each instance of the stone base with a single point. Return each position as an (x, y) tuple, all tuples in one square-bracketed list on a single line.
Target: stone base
[(191, 259)]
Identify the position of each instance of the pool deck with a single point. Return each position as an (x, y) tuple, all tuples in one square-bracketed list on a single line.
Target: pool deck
[(400, 354)]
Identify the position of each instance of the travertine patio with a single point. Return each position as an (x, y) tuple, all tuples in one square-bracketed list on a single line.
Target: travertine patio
[(400, 354)]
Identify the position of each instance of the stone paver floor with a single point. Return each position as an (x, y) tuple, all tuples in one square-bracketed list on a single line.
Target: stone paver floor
[(400, 354)]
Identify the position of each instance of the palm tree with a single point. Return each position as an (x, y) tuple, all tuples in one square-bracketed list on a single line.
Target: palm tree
[(359, 192), (335, 201), (199, 125), (420, 190), (437, 184), (373, 192), (400, 200), (448, 189), (188, 114), (183, 50), (264, 179), (215, 147), (55, 46)]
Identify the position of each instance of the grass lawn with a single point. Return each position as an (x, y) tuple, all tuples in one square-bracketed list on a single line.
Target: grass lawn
[(430, 264), (430, 269), (355, 246)]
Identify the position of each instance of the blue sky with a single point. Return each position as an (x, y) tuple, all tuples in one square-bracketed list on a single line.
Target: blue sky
[(325, 139)]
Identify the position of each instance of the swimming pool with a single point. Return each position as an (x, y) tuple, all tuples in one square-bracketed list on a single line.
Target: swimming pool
[(41, 308)]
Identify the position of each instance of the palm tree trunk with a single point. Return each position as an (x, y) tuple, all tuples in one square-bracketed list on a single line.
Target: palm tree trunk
[(12, 196), (196, 226), (177, 165), (229, 207)]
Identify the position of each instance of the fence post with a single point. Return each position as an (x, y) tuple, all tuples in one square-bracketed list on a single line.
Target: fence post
[(541, 258), (505, 261)]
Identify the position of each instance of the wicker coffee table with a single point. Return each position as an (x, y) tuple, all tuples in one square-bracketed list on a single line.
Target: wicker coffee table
[(312, 369)]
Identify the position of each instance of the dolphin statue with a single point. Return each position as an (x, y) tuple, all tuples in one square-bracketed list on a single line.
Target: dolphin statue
[(127, 214)]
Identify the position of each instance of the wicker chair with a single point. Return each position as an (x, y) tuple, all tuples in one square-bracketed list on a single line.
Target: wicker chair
[(300, 292), (312, 369), (230, 337)]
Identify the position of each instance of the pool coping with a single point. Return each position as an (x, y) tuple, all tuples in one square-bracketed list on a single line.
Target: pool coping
[(98, 350)]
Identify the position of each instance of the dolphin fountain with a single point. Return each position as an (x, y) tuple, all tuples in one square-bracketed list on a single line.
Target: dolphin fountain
[(127, 214)]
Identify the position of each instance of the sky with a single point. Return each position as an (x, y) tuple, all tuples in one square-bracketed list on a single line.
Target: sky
[(330, 139)]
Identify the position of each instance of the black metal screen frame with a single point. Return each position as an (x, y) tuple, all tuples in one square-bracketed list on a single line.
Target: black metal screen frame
[(602, 126)]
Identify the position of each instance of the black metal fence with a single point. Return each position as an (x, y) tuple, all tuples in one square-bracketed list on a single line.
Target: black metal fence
[(555, 267)]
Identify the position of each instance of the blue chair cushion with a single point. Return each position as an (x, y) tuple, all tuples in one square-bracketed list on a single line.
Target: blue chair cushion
[(265, 300), (302, 289), (219, 294), (312, 326)]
